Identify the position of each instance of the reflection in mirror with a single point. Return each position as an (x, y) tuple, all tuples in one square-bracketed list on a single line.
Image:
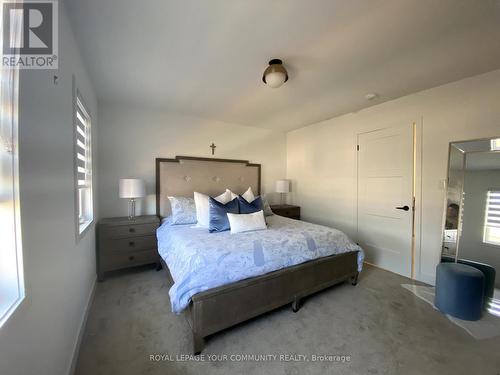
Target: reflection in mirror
[(472, 215), (453, 200)]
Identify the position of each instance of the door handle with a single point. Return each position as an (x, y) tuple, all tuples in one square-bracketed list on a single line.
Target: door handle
[(404, 208)]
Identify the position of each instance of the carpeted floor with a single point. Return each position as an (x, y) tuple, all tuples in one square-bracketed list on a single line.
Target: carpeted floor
[(486, 327), (377, 326)]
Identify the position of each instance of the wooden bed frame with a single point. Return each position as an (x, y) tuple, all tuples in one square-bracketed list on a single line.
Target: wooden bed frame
[(219, 308)]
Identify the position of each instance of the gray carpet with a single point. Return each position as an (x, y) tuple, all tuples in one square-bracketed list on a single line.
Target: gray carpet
[(486, 327), (381, 327)]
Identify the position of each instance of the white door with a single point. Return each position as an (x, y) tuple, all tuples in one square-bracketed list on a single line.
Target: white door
[(385, 197)]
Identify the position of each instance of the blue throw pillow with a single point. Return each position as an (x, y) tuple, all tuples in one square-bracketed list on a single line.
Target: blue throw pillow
[(249, 208), (218, 220)]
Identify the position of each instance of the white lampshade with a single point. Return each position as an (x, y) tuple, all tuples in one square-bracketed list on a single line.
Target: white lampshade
[(282, 186), (132, 188)]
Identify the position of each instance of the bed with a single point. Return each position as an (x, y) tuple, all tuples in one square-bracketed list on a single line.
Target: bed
[(221, 279)]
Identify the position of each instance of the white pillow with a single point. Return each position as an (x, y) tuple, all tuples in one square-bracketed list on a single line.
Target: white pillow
[(224, 197), (202, 210), (247, 222), (248, 195), (232, 194)]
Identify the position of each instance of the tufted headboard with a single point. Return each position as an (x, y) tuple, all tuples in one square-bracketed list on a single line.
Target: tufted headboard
[(184, 175)]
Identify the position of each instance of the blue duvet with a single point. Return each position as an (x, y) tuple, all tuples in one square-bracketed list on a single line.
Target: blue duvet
[(199, 260)]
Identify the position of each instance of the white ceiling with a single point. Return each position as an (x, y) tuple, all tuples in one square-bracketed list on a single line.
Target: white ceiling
[(206, 58)]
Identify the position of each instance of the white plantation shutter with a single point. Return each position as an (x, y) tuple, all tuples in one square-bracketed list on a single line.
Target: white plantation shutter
[(83, 156), (492, 222), (495, 144), (83, 166)]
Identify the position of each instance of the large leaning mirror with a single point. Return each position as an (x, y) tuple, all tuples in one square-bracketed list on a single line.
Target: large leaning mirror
[(472, 213)]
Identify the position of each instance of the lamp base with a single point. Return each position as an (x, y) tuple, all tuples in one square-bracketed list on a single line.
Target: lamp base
[(131, 209), (282, 198)]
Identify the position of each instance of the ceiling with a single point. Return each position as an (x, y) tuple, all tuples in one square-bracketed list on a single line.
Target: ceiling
[(206, 58)]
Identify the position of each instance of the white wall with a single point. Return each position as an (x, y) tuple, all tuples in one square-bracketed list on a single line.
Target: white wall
[(471, 246), (40, 336), (321, 158), (131, 138)]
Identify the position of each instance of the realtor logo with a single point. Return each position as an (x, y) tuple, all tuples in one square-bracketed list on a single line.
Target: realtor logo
[(30, 34)]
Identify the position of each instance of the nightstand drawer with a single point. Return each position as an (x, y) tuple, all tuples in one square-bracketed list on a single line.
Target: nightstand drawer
[(130, 244), (286, 210), (291, 213), (124, 243), (131, 230), (116, 260)]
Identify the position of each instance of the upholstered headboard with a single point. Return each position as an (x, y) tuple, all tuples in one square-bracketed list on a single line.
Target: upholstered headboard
[(184, 175)]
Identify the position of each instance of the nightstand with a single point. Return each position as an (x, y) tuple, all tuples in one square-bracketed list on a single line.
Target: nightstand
[(287, 210), (124, 243)]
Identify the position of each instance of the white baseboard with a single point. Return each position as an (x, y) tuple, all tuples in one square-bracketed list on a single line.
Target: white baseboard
[(81, 330), (385, 269)]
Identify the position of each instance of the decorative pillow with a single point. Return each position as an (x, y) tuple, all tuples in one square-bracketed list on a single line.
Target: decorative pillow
[(232, 194), (246, 222), (249, 207), (201, 203), (267, 208), (183, 210), (248, 195), (224, 197), (218, 221)]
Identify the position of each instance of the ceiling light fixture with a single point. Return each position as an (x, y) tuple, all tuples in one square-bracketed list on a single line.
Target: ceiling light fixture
[(275, 74)]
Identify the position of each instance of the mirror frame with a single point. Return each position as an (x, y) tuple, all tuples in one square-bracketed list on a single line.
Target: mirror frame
[(446, 185)]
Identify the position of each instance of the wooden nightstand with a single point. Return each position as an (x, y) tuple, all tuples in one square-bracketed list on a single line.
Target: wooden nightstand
[(287, 210), (123, 243)]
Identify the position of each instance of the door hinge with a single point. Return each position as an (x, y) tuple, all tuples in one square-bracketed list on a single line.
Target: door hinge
[(357, 147)]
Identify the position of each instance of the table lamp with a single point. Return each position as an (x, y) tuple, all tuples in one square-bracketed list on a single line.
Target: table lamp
[(282, 187), (132, 188)]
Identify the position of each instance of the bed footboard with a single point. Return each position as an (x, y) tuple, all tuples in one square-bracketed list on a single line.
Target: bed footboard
[(222, 307)]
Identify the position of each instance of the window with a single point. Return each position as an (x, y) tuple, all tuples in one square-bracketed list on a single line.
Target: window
[(11, 263), (495, 144), (492, 221), (83, 167)]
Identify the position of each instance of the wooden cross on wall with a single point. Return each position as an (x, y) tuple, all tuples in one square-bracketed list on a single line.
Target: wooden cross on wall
[(213, 146)]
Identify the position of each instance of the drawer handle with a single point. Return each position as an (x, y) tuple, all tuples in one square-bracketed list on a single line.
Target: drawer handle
[(131, 243), (131, 257), (131, 230)]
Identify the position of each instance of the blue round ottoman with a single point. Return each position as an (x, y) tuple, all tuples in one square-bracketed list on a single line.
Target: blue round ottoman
[(459, 290)]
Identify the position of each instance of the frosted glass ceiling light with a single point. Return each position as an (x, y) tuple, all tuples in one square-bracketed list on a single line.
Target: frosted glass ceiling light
[(275, 74)]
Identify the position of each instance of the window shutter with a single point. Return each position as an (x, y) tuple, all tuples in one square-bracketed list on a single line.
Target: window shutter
[(83, 166), (83, 161), (492, 226)]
